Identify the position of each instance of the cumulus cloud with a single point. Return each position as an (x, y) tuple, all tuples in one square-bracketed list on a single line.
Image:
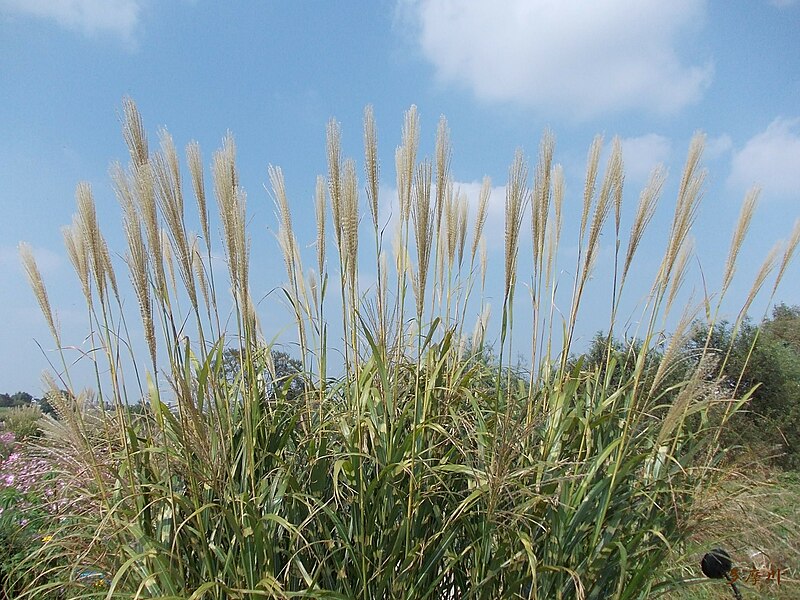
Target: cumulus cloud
[(718, 146), (90, 17), (47, 260), (573, 57), (770, 159), (642, 154)]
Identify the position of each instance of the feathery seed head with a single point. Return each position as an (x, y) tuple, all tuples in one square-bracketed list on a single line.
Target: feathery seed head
[(371, 165), (788, 254), (423, 226), (108, 268), (443, 157), (451, 218), (320, 211), (166, 170), (555, 228), (679, 272), (195, 160), (335, 179), (405, 159), (39, 289), (403, 185), (592, 164), (480, 219), (612, 185), (463, 217), (646, 209), (617, 184), (78, 254), (763, 272), (517, 195), (739, 234), (90, 228), (138, 268), (166, 252), (286, 236), (541, 196), (133, 132), (200, 271), (350, 219), (232, 203), (689, 195)]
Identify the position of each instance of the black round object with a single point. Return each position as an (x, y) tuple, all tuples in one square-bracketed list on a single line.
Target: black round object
[(716, 564)]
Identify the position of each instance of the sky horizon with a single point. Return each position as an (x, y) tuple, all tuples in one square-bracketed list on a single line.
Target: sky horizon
[(502, 72)]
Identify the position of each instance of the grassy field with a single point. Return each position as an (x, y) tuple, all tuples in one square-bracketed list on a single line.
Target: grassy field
[(761, 513)]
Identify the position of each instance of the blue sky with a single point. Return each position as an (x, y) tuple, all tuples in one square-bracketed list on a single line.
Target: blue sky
[(501, 71)]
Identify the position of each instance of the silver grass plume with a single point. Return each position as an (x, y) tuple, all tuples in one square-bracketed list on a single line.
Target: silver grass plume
[(421, 213), (194, 158), (167, 174), (371, 166), (480, 218), (517, 195), (39, 289)]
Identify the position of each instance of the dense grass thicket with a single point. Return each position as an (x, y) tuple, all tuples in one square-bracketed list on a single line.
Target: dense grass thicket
[(420, 469)]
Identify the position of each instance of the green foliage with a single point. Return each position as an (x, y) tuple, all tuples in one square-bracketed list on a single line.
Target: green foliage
[(784, 325), (21, 523), (622, 355), (28, 505), (15, 539), (281, 370), (766, 358), (23, 421), (24, 399), (410, 483), (14, 400)]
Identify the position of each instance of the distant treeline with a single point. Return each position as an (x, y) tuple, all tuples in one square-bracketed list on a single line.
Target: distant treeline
[(764, 358), (20, 399)]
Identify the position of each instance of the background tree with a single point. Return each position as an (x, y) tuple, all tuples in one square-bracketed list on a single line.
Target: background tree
[(14, 400), (767, 358), (624, 354), (288, 371)]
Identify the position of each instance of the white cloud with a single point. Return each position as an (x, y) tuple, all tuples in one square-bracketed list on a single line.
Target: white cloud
[(574, 57), (642, 154), (47, 260), (718, 146), (770, 159), (90, 17)]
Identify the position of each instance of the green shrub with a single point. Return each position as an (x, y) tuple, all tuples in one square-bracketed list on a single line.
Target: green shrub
[(23, 421), (761, 358), (20, 520), (29, 507)]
